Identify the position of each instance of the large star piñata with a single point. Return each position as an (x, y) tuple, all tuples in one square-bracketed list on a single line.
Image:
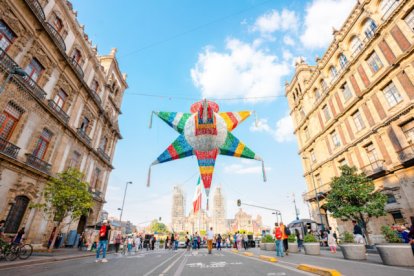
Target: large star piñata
[(205, 133)]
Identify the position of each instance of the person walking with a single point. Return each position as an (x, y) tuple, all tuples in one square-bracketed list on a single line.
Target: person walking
[(285, 235), (332, 242), (210, 237), (358, 236), (137, 243), (172, 242), (299, 239), (118, 240), (167, 240), (279, 241), (235, 239), (103, 241), (195, 240), (176, 241), (130, 242), (218, 241)]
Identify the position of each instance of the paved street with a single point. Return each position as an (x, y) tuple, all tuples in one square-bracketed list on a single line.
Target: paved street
[(162, 263)]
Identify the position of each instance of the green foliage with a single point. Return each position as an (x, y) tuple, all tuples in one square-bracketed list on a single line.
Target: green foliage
[(66, 195), (292, 238), (353, 196), (390, 235), (268, 239), (309, 238), (203, 232), (158, 227), (348, 237)]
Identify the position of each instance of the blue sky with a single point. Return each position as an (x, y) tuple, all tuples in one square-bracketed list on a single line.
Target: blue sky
[(181, 51)]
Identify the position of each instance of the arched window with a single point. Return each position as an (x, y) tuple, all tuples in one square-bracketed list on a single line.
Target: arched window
[(16, 214), (387, 7), (57, 24), (95, 86), (76, 56), (356, 45), (369, 28), (317, 94), (333, 71), (343, 61), (8, 121), (42, 144), (103, 143), (323, 85), (7, 36)]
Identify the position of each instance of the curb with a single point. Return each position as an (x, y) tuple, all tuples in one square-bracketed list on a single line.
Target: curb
[(43, 261), (318, 270), (268, 258), (235, 251), (248, 254)]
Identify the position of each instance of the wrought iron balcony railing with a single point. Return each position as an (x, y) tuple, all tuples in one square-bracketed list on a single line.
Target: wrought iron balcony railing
[(31, 85), (96, 194), (77, 67), (96, 96), (59, 111), (6, 62), (103, 154), (38, 163), (406, 154), (57, 38), (320, 192), (8, 148), (84, 136), (36, 9), (374, 168)]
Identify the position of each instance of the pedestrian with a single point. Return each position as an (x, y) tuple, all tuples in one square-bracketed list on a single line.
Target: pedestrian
[(167, 240), (18, 238), (279, 240), (176, 240), (411, 236), (130, 242), (218, 241), (195, 240), (332, 242), (235, 240), (239, 240), (118, 240), (285, 235), (358, 236), (245, 241), (172, 240), (299, 239), (2, 228), (103, 241), (210, 237), (81, 241), (198, 241), (154, 239)]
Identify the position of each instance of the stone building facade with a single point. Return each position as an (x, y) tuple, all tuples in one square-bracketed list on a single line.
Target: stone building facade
[(59, 108), (355, 107)]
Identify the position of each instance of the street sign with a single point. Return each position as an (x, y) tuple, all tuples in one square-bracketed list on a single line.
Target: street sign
[(239, 202)]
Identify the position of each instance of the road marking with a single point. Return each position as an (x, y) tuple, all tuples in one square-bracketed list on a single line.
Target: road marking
[(161, 264), (319, 270), (181, 267)]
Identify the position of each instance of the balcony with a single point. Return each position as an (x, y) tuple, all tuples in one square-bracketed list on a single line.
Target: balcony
[(77, 68), (321, 191), (375, 169), (8, 148), (97, 195), (36, 9), (96, 97), (31, 85), (406, 155), (56, 37), (59, 111), (84, 136), (37, 163), (103, 154), (6, 62)]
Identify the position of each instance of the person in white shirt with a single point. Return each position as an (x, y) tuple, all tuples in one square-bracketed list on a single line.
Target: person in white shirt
[(210, 237), (137, 243)]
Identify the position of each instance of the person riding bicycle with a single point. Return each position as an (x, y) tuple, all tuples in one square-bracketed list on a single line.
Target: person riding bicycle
[(18, 238), (2, 228)]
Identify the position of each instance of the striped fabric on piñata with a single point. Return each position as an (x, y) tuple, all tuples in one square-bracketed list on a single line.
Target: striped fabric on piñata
[(205, 133)]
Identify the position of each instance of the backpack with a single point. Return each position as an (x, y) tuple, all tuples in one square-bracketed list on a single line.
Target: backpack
[(278, 233), (287, 231)]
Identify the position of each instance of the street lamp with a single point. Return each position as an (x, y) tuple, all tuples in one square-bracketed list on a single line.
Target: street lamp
[(123, 202), (15, 71), (314, 187)]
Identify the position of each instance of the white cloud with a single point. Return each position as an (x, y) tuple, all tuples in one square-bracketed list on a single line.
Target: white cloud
[(288, 40), (321, 16), (283, 131), (287, 55), (274, 20), (242, 71), (244, 169)]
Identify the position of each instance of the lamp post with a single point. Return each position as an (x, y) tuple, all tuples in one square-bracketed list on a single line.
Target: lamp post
[(14, 71), (296, 209), (123, 202), (314, 187)]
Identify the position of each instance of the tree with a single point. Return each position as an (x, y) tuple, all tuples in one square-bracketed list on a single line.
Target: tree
[(65, 195), (158, 227), (353, 196)]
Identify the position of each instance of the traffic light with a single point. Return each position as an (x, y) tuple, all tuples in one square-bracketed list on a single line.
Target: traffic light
[(239, 202)]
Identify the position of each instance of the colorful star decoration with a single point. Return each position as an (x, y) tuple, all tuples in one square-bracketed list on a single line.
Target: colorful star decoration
[(205, 133)]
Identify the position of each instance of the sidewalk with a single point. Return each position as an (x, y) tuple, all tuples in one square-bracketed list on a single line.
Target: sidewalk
[(47, 257)]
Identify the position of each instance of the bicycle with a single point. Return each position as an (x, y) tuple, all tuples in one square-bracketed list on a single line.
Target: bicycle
[(8, 251), (24, 250)]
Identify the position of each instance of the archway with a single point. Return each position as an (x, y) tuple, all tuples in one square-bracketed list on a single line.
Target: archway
[(81, 224), (16, 214)]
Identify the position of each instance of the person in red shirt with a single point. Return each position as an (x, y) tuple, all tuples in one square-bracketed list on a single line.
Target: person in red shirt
[(279, 241), (103, 241)]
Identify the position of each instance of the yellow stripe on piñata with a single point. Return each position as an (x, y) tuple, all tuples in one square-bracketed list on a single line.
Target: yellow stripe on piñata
[(227, 120), (207, 170), (239, 150), (244, 115)]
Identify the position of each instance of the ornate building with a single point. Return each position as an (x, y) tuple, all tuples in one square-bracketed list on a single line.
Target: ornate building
[(178, 210), (59, 108), (355, 107)]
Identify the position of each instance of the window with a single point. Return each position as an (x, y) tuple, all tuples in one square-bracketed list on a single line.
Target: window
[(16, 214), (324, 85), (74, 159), (398, 218), (342, 162), (391, 199), (369, 28), (346, 92), (374, 62), (356, 45), (6, 36), (76, 56), (372, 154), (408, 129), (95, 178), (95, 86), (325, 110), (409, 19), (103, 143), (9, 119), (57, 23), (301, 112), (343, 61), (387, 7), (333, 71), (84, 125), (392, 95), (312, 156), (60, 98), (42, 144), (306, 131), (34, 70), (358, 121), (335, 139), (318, 180), (317, 94)]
